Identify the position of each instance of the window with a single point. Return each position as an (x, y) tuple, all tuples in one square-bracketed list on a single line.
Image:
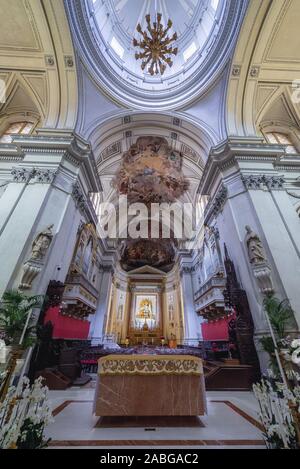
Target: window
[(189, 52), (17, 128), (281, 139), (215, 4), (117, 47)]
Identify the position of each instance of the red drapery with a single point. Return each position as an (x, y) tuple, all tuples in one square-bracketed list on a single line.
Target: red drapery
[(215, 330), (67, 328)]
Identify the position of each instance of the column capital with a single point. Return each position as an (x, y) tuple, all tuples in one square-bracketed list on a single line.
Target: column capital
[(33, 175), (262, 182)]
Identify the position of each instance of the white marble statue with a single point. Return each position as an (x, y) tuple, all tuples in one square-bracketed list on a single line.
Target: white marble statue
[(255, 248)]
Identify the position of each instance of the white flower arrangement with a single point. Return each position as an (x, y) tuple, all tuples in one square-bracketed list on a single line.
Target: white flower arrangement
[(292, 353), (24, 411), (295, 343), (275, 413)]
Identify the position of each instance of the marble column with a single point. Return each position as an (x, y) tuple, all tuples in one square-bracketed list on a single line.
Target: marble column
[(17, 225), (40, 175), (192, 323), (250, 182)]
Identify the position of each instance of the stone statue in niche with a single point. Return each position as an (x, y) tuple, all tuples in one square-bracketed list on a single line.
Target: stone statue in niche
[(256, 251), (33, 267), (41, 243), (259, 263)]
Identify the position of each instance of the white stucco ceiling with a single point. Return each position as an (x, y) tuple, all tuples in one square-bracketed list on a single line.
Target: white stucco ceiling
[(104, 32), (194, 21)]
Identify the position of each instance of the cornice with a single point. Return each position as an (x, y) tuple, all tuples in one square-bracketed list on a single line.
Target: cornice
[(233, 151), (68, 145), (10, 152), (288, 164)]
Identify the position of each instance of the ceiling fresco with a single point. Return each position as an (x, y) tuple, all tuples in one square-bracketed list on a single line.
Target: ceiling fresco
[(150, 172)]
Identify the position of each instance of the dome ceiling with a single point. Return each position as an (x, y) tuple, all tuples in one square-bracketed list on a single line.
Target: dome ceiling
[(132, 12), (193, 20), (105, 30)]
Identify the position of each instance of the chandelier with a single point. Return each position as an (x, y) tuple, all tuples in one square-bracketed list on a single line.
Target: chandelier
[(157, 48)]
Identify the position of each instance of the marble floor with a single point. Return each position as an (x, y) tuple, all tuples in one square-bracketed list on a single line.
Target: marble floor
[(231, 422)]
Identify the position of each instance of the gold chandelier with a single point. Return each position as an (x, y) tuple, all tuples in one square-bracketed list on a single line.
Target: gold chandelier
[(157, 49)]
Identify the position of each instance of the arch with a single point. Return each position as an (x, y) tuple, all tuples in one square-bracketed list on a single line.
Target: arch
[(110, 138), (43, 79), (280, 115), (292, 132), (265, 64), (103, 132), (20, 105)]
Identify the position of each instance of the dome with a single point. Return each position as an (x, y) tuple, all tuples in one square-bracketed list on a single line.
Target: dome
[(195, 22), (205, 31)]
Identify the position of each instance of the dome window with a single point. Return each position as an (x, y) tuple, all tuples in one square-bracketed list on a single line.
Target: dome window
[(189, 52), (215, 4), (117, 47)]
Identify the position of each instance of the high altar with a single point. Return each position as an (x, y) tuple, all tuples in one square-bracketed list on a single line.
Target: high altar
[(150, 385), (146, 307)]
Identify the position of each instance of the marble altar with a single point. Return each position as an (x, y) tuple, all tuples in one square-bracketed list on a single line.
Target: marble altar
[(150, 385)]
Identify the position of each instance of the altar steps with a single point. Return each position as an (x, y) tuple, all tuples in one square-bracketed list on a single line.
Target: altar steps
[(230, 376)]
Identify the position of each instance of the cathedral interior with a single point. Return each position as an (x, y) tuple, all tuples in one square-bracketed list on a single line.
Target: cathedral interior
[(149, 222)]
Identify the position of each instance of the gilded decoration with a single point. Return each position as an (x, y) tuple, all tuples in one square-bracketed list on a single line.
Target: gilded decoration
[(115, 365), (156, 46), (81, 294)]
